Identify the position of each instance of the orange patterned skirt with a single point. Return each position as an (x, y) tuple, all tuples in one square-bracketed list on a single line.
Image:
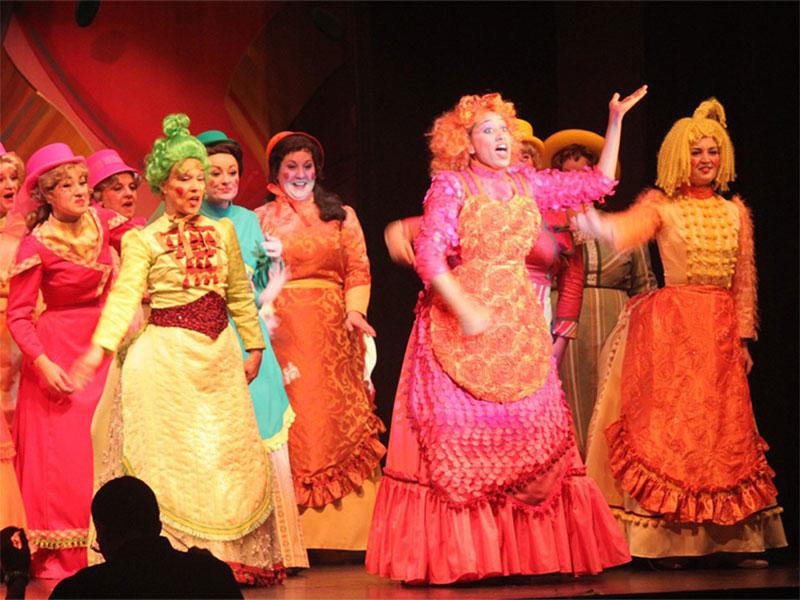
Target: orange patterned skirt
[(686, 444), (333, 443)]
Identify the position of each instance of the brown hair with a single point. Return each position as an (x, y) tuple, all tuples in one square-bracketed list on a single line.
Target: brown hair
[(108, 182), (575, 152), (45, 184), (329, 205)]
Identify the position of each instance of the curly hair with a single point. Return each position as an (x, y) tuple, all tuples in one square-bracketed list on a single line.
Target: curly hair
[(674, 157), (329, 204), (449, 136), (10, 159), (45, 184), (97, 190), (176, 147)]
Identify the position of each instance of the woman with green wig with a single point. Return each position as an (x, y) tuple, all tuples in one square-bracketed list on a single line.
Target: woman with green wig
[(186, 424)]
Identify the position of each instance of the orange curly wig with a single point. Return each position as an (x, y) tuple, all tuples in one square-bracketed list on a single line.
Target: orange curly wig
[(449, 136)]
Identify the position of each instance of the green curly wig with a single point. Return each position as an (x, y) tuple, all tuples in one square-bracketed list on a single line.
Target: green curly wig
[(177, 146)]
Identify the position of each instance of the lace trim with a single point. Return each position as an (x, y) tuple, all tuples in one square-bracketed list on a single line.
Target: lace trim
[(659, 521), (339, 480), (678, 501), (26, 264), (58, 539), (280, 439)]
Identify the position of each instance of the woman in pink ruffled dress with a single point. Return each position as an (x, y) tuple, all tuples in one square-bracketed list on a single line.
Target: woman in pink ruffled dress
[(483, 477)]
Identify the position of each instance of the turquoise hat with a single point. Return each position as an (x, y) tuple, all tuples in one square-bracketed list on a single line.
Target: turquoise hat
[(213, 136)]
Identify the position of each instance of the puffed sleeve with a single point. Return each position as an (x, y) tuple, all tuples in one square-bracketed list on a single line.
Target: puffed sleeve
[(438, 230), (126, 294), (638, 224), (570, 295), (554, 189), (744, 284), (26, 279), (642, 277), (240, 300), (357, 280)]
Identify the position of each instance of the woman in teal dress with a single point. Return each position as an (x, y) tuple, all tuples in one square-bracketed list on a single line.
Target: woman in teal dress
[(270, 402)]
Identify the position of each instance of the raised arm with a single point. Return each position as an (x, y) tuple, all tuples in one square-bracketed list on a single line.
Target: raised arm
[(616, 112)]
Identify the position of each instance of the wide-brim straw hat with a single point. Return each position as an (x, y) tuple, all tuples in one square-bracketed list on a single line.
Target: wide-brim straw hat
[(527, 136), (566, 137)]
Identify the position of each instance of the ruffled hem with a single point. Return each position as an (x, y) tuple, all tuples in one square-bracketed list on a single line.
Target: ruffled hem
[(417, 537), (681, 502), (256, 576), (338, 481), (280, 439), (625, 516)]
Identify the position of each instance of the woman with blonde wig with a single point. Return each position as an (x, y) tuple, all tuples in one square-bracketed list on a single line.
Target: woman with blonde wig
[(483, 477), (673, 441)]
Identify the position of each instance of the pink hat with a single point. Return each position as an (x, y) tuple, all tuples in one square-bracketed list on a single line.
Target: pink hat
[(2, 148), (45, 158), (105, 163)]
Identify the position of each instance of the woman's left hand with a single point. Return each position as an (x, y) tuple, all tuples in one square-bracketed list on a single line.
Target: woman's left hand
[(252, 364), (617, 108), (355, 320), (746, 358)]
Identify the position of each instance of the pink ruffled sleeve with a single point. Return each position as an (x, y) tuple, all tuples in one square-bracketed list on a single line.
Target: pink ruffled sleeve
[(438, 231), (554, 189)]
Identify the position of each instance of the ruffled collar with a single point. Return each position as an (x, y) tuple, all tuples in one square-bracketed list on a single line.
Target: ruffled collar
[(283, 199), (701, 192)]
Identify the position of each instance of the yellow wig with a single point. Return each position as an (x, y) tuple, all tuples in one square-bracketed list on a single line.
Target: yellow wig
[(674, 157)]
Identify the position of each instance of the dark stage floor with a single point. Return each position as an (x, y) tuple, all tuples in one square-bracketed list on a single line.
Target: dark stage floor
[(346, 581)]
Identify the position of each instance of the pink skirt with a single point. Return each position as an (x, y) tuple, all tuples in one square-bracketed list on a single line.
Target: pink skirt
[(550, 519)]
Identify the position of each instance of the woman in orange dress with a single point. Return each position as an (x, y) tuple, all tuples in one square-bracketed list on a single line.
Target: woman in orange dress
[(673, 441), (333, 444)]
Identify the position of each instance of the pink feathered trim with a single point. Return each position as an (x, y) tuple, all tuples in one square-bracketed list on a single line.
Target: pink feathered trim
[(681, 502), (339, 480), (417, 537)]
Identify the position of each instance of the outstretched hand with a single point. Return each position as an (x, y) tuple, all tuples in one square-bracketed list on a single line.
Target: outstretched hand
[(617, 108)]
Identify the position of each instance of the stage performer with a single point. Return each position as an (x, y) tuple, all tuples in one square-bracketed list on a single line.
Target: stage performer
[(12, 230), (553, 257), (188, 427), (483, 477), (66, 258), (673, 441), (610, 278), (262, 260), (333, 443), (114, 184)]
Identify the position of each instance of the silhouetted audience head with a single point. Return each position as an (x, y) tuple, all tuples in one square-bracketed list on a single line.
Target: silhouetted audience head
[(123, 509)]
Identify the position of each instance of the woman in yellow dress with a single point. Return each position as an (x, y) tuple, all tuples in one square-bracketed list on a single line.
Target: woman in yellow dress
[(188, 427)]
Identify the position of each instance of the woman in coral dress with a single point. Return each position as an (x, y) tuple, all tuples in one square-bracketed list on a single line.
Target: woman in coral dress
[(187, 426), (333, 443), (673, 441), (483, 477), (66, 258)]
